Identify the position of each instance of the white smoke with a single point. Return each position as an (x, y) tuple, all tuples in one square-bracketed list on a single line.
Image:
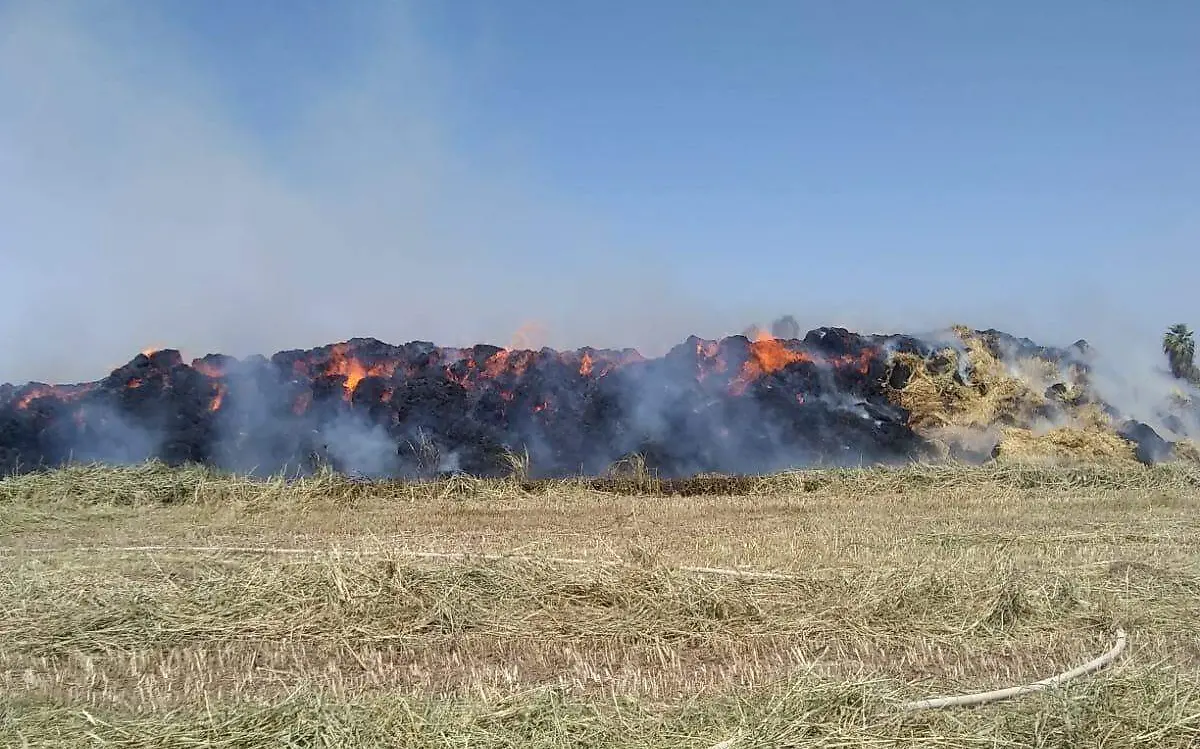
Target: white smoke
[(138, 211), (361, 449)]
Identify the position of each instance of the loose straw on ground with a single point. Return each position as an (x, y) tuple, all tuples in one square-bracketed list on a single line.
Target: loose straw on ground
[(432, 555), (965, 700)]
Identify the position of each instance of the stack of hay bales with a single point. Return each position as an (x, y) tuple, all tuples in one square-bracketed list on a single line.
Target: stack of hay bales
[(972, 405)]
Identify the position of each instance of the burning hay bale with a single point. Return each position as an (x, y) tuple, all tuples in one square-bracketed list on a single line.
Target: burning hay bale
[(735, 406), (371, 409)]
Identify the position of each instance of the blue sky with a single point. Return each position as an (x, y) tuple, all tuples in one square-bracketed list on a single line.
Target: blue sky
[(274, 174)]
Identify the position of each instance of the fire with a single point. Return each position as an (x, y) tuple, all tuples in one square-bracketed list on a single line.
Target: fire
[(61, 392), (861, 363), (557, 399), (496, 363), (39, 391), (497, 370), (462, 380), (509, 361), (34, 393), (767, 354), (343, 363), (218, 398), (600, 363), (208, 369), (463, 368)]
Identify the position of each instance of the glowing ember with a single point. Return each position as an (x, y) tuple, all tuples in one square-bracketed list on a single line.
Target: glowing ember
[(208, 369), (342, 363), (60, 392)]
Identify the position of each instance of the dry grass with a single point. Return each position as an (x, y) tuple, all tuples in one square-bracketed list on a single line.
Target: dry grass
[(1063, 445), (1187, 450), (972, 389), (905, 583)]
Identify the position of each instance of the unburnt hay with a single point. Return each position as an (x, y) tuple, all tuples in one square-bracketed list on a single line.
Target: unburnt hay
[(969, 403)]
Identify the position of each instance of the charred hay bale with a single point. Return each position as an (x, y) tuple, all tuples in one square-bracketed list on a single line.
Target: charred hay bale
[(732, 405), (1149, 447)]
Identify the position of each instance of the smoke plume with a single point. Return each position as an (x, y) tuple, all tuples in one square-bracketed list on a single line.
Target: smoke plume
[(140, 211)]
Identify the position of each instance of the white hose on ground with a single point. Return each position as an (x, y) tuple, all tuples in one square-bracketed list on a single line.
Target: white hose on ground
[(980, 698)]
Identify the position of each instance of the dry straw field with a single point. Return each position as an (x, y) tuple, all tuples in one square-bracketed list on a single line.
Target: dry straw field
[(149, 607)]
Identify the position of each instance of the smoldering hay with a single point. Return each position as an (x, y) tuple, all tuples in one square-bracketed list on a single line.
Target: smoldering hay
[(741, 404)]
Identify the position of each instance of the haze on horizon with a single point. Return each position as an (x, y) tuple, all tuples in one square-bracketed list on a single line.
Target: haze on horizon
[(249, 177)]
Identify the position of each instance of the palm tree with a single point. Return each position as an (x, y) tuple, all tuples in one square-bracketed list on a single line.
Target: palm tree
[(1180, 348)]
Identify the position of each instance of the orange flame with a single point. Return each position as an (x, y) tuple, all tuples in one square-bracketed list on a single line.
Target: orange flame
[(767, 354), (508, 361), (343, 363), (35, 393), (208, 369), (464, 370), (61, 392)]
